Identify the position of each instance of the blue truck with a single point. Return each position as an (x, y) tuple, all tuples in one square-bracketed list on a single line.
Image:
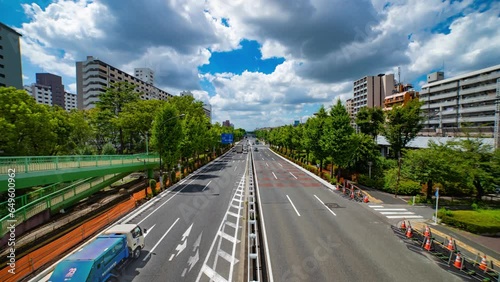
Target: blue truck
[(102, 259)]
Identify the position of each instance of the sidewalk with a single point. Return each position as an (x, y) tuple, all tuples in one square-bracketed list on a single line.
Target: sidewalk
[(473, 243)]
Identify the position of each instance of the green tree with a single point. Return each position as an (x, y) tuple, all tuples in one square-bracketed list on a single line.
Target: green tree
[(82, 134), (336, 136), (362, 149), (402, 125), (370, 120), (112, 102), (315, 130), (167, 135)]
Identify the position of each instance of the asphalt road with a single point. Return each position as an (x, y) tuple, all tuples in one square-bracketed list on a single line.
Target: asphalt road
[(194, 230), (307, 241)]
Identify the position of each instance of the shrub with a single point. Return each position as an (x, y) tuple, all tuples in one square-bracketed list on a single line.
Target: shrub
[(152, 184), (108, 149), (479, 222), (371, 182)]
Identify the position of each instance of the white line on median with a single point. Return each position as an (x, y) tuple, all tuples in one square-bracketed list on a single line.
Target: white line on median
[(274, 175), (325, 205), (159, 241), (293, 205), (293, 175)]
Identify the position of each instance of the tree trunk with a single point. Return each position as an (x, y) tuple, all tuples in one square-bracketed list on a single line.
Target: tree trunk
[(429, 189), (479, 189), (122, 142)]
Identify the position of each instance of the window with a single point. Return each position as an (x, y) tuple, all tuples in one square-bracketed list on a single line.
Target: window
[(136, 232)]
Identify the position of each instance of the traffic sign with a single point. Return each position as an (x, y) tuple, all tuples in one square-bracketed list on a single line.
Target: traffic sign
[(227, 138)]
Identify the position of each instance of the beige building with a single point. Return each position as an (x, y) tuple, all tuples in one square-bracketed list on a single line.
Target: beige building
[(11, 73), (350, 110), (405, 93), (93, 76), (370, 91), (41, 93), (464, 104)]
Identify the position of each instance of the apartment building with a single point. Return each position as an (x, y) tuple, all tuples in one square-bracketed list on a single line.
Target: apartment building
[(350, 110), (370, 91), (10, 58), (208, 111), (41, 93), (56, 87), (405, 93), (461, 105), (145, 74), (93, 76), (70, 101)]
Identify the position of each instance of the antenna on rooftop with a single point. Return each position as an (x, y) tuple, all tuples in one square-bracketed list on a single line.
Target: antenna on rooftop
[(399, 75)]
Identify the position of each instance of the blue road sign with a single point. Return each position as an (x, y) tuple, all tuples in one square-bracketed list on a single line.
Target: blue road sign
[(227, 138)]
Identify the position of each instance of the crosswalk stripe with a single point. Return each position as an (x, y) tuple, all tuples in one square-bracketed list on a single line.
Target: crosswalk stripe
[(404, 216), (390, 209), (397, 213), (376, 206)]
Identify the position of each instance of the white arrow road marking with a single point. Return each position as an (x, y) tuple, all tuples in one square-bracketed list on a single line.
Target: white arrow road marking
[(180, 247), (186, 234), (193, 260), (149, 230), (159, 241), (197, 242)]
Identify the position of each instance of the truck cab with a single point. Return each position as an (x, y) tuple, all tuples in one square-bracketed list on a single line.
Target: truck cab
[(135, 237)]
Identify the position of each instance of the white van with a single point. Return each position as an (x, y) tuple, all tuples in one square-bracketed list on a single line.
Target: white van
[(135, 237)]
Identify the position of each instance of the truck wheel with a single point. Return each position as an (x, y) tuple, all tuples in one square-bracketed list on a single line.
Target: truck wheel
[(137, 252)]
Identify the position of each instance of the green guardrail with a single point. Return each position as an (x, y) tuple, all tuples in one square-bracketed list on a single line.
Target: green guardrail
[(45, 163), (57, 199), (32, 196)]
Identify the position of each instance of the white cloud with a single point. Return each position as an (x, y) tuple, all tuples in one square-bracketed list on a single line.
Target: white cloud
[(71, 88)]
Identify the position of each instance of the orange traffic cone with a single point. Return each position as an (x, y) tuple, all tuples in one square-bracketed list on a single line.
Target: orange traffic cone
[(484, 264), (343, 190), (427, 232), (403, 225), (352, 194), (365, 199), (450, 244), (409, 233), (428, 244), (458, 261)]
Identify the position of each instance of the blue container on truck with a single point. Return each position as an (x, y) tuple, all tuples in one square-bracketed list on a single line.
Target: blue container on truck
[(98, 261)]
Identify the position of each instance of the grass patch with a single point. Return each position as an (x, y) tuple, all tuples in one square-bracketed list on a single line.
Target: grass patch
[(476, 221)]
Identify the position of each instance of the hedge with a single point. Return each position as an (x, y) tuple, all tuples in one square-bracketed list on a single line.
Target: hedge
[(483, 222)]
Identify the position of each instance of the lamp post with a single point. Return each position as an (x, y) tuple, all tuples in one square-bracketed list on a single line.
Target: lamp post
[(370, 169), (161, 170)]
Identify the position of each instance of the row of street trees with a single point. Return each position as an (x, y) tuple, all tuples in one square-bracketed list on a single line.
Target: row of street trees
[(120, 123), (460, 168)]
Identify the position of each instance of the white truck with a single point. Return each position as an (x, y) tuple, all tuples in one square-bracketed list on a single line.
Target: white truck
[(239, 148)]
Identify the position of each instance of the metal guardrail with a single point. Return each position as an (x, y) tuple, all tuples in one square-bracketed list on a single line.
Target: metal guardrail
[(254, 268), (46, 163), (27, 211)]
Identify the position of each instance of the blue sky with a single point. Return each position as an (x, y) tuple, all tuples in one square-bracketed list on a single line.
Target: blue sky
[(259, 67)]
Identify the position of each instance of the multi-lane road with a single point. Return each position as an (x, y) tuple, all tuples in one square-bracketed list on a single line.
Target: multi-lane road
[(313, 234), (195, 231)]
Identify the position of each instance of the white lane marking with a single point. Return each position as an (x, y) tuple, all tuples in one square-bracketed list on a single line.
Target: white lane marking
[(266, 245), (228, 237), (159, 241), (376, 206), (274, 175), (391, 209), (280, 164), (293, 175), (267, 164), (184, 272), (212, 274), (228, 257), (230, 224), (397, 212), (139, 223), (235, 168), (262, 158), (206, 185), (171, 257), (404, 216), (273, 159), (293, 205), (149, 230), (325, 205)]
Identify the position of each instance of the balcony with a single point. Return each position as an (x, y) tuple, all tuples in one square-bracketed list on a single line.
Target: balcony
[(480, 78), (449, 85), (438, 105), (484, 98), (492, 86), (489, 118), (478, 109)]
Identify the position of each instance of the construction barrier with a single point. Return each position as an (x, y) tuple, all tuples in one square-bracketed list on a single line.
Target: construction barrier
[(479, 268), (47, 254)]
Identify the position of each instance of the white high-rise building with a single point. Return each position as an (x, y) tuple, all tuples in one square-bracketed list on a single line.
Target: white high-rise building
[(370, 91), (145, 74), (70, 101), (41, 93), (464, 104)]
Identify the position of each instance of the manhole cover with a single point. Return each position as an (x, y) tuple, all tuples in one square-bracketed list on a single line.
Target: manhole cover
[(332, 205)]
